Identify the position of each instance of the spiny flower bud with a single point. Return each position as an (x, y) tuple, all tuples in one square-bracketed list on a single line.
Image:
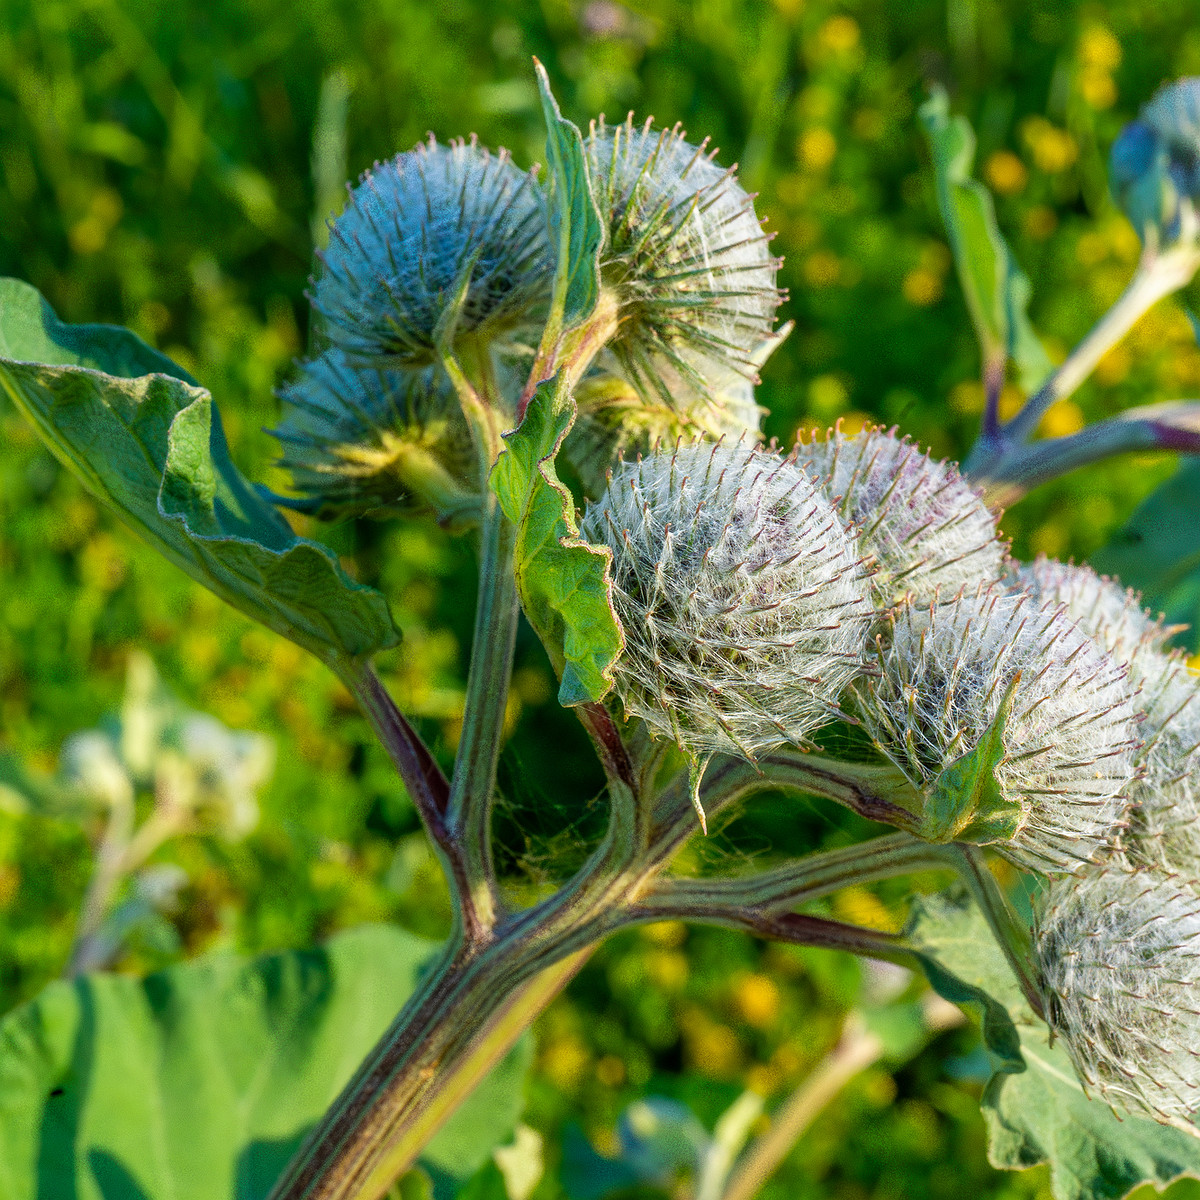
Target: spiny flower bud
[(1018, 729), (614, 422), (685, 256), (358, 438), (744, 606), (1104, 610), (1165, 818), (413, 226), (921, 525), (1154, 167), (1120, 958)]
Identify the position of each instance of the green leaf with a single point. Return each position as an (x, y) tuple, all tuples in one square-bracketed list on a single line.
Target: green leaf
[(574, 219), (996, 292), (564, 583), (1041, 1114), (198, 1083), (152, 447), (1157, 551)]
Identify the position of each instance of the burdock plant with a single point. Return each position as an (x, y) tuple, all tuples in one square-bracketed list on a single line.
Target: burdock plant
[(725, 618)]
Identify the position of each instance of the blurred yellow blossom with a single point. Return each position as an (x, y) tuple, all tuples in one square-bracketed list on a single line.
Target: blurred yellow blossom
[(1099, 49), (1005, 173), (816, 148), (1053, 149), (1098, 88), (758, 1000), (839, 34), (922, 287), (1062, 419)]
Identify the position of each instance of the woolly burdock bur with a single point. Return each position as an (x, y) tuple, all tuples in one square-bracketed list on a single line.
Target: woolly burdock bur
[(362, 438), (1120, 958), (990, 669), (398, 252), (922, 526), (1165, 798), (743, 602), (687, 259)]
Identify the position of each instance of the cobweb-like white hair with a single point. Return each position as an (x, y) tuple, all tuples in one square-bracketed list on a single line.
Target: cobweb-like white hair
[(397, 252), (744, 605), (1119, 952), (1165, 798), (1069, 739), (922, 525)]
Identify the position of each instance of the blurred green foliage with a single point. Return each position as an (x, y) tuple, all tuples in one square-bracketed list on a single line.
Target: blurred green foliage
[(165, 167)]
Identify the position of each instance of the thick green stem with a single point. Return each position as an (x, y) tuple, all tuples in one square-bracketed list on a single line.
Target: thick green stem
[(797, 882), (1014, 936), (473, 785), (1158, 275)]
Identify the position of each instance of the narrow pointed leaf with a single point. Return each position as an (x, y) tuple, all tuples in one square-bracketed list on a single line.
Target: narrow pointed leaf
[(199, 1082), (565, 584), (151, 446), (575, 220), (996, 291), (1041, 1113)]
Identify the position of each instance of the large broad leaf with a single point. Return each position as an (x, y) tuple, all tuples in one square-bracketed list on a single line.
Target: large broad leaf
[(565, 584), (1158, 550), (200, 1082), (997, 293), (147, 441), (574, 219), (1041, 1114)]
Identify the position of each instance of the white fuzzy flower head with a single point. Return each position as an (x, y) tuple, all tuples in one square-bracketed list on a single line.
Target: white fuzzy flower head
[(744, 606), (1100, 606), (1120, 957), (921, 525), (686, 257), (414, 224), (955, 675), (360, 438), (1165, 818)]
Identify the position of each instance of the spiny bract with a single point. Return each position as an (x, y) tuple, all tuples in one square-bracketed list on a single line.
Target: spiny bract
[(922, 526), (1100, 606), (1120, 958), (414, 224), (687, 259), (358, 438), (743, 602), (1069, 736), (1165, 818)]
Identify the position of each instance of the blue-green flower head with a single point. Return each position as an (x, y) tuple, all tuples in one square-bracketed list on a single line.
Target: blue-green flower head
[(414, 225), (1154, 166), (367, 438), (686, 258)]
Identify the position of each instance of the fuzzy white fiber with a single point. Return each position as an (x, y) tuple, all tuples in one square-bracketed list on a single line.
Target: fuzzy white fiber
[(1120, 956), (743, 601), (1070, 737), (396, 253), (1100, 606), (922, 525), (687, 258), (1165, 814)]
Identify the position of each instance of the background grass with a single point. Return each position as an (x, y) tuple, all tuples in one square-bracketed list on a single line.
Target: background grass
[(167, 167)]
